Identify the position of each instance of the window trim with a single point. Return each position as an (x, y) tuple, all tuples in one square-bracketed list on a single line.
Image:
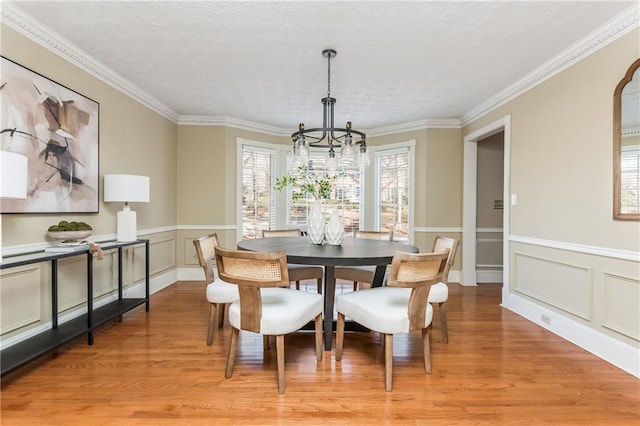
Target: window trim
[(275, 152), (373, 212)]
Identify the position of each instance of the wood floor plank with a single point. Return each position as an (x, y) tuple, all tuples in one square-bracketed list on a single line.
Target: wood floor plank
[(155, 369)]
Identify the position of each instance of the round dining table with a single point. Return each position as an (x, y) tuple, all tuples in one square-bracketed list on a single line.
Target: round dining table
[(352, 252)]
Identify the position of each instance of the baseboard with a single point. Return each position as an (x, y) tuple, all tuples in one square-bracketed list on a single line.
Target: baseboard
[(615, 352), (489, 276), (190, 274)]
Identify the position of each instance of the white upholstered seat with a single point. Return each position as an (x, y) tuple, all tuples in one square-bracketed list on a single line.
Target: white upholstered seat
[(399, 307), (219, 293), (439, 292), (267, 305)]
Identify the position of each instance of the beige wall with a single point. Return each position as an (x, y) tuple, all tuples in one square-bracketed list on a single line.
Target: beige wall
[(133, 140), (207, 184), (561, 152), (568, 258)]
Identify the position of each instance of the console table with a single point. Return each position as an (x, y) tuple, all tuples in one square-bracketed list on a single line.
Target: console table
[(21, 353)]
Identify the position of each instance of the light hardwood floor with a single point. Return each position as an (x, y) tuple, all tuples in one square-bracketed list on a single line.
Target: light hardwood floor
[(155, 369)]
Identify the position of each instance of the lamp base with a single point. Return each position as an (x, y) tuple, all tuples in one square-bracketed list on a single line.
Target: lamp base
[(126, 225)]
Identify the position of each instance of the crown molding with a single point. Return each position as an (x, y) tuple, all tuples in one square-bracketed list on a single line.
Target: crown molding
[(237, 123), (443, 123), (52, 41), (609, 32)]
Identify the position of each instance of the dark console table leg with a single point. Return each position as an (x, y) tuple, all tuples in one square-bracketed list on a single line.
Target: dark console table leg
[(90, 298), (54, 293), (146, 273)]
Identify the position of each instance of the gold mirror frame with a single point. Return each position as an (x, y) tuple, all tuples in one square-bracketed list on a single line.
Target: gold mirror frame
[(617, 145)]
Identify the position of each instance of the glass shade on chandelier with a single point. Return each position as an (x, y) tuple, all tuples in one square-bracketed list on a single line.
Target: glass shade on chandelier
[(350, 143)]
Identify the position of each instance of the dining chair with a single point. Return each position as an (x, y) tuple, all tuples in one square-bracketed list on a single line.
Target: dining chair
[(362, 274), (219, 293), (399, 307), (439, 293), (297, 273), (267, 305)]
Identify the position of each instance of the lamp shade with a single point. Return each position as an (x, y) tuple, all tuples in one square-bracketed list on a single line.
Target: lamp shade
[(13, 175), (126, 188)]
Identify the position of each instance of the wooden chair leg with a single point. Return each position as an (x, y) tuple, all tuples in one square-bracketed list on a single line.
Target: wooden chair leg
[(297, 285), (221, 312), (233, 347), (355, 285), (427, 350), (266, 343), (443, 322), (388, 362), (280, 360), (319, 337), (339, 336), (212, 323), (320, 285)]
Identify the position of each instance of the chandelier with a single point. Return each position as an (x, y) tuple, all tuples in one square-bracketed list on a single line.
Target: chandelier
[(351, 143)]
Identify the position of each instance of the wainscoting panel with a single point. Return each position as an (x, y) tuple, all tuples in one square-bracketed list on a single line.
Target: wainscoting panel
[(621, 312), (17, 310), (190, 256), (72, 282), (162, 257), (563, 285)]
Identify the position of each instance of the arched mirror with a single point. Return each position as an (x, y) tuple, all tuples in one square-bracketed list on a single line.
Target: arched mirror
[(626, 145)]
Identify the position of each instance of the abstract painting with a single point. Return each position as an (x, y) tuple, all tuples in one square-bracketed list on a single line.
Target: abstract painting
[(57, 129)]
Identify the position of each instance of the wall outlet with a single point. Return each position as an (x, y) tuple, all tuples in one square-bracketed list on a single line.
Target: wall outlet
[(545, 318)]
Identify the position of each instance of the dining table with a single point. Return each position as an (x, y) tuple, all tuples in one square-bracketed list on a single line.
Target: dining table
[(351, 252)]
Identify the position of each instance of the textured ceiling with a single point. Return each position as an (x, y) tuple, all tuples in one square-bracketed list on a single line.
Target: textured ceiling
[(397, 61)]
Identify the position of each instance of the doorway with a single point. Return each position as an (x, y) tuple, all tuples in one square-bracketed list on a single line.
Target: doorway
[(469, 205)]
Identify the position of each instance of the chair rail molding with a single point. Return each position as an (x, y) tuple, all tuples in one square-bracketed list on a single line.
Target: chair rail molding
[(633, 256)]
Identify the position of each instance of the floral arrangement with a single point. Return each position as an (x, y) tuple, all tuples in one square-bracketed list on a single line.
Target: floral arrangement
[(305, 183)]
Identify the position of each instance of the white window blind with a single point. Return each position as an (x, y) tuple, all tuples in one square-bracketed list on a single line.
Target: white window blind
[(392, 192), (630, 179), (258, 198)]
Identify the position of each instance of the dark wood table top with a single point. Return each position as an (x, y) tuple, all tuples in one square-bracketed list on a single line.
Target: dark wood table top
[(352, 251)]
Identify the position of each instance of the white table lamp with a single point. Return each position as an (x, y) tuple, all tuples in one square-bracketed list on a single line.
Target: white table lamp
[(126, 189), (13, 179)]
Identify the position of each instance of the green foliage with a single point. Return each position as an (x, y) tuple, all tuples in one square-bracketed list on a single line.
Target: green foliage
[(63, 225), (304, 184)]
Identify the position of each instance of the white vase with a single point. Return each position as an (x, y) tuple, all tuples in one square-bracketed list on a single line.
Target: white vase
[(334, 231), (315, 223)]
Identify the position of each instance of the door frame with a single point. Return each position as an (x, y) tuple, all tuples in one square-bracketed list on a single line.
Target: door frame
[(469, 195)]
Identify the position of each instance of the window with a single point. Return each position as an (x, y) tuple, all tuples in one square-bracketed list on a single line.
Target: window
[(345, 198), (389, 180), (256, 172), (630, 179), (393, 192)]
